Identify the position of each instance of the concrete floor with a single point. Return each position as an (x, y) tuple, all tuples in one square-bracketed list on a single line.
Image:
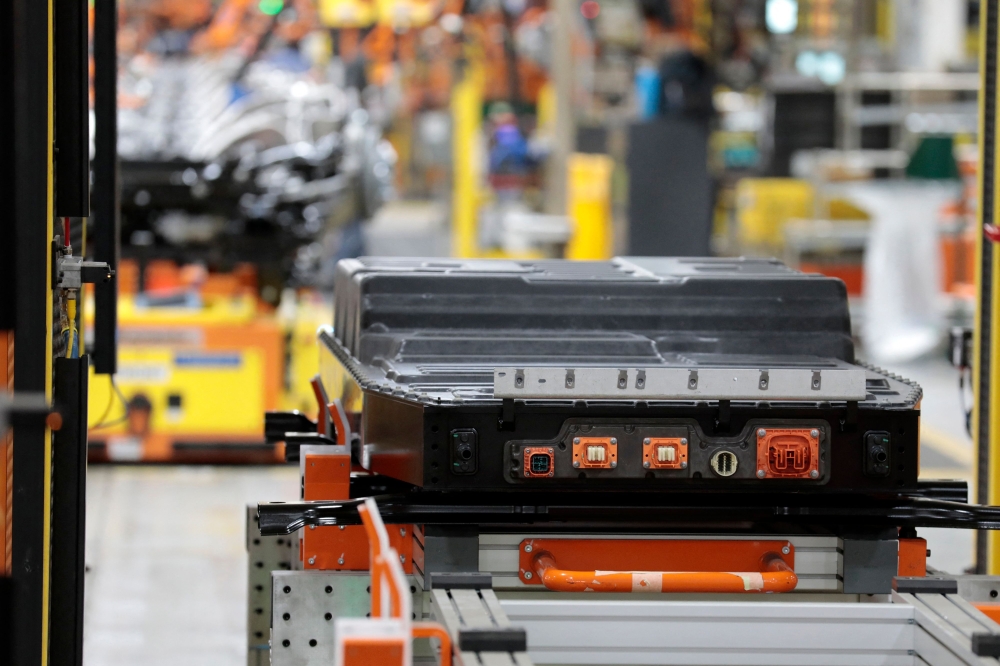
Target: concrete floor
[(167, 562), (165, 544)]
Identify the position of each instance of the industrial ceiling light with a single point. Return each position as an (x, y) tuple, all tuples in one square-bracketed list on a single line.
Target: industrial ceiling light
[(782, 16)]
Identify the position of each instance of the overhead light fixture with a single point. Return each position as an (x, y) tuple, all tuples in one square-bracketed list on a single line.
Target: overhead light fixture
[(782, 16)]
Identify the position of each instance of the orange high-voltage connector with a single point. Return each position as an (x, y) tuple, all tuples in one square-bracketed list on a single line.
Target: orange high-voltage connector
[(775, 576)]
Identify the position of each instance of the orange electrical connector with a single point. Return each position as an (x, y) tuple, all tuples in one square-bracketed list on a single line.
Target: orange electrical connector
[(788, 453), (595, 452), (665, 453), (539, 462)]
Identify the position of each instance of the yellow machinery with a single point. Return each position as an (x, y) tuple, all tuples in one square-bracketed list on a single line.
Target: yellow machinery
[(193, 380), (764, 205), (589, 206)]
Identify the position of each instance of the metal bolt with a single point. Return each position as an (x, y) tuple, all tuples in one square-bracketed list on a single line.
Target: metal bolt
[(761, 432), (340, 561), (576, 463), (312, 527), (761, 474), (646, 464), (402, 559), (763, 383), (527, 547), (343, 526), (814, 433), (312, 560), (614, 464), (684, 441), (684, 465), (576, 440), (402, 531), (550, 450), (786, 550), (527, 575), (614, 440), (814, 474), (646, 441)]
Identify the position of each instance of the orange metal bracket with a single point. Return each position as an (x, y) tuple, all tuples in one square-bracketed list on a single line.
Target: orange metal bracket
[(341, 425), (912, 557), (322, 401), (667, 565), (383, 560)]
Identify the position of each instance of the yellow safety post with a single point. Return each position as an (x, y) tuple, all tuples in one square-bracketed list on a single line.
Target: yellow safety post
[(466, 119), (589, 206)]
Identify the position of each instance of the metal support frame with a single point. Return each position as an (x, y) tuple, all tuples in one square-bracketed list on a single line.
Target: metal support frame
[(8, 226), (106, 184), (305, 605), (986, 413), (914, 629), (32, 210), (264, 554), (72, 113), (69, 499), (476, 612)]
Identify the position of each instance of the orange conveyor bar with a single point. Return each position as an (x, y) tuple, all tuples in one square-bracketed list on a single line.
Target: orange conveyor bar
[(775, 576)]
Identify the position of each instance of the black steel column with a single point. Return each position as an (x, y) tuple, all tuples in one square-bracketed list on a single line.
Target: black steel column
[(987, 174), (106, 188), (8, 250), (32, 350), (72, 104), (6, 620), (69, 498)]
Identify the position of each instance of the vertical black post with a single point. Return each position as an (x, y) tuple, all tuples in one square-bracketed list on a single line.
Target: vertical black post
[(32, 333), (987, 174), (6, 620), (69, 497), (72, 118), (106, 188), (8, 267)]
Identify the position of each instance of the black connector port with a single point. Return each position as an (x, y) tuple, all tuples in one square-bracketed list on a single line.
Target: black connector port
[(464, 451), (540, 463), (878, 453)]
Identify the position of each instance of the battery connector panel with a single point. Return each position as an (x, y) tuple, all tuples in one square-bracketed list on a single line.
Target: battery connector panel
[(595, 452), (620, 453), (788, 453)]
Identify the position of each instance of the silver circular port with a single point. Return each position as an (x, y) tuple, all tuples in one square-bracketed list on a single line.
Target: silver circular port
[(724, 463)]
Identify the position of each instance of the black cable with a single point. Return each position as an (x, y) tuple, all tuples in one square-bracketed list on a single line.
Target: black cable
[(111, 399)]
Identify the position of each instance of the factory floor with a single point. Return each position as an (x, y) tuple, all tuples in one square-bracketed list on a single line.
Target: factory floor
[(166, 583)]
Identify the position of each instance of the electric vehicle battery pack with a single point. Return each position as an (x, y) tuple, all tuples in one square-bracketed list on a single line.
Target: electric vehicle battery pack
[(634, 374)]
